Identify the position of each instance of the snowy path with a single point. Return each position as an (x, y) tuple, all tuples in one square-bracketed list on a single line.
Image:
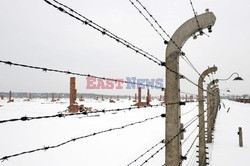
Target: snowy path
[(226, 150)]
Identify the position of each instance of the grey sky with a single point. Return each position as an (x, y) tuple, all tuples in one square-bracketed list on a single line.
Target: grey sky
[(35, 33)]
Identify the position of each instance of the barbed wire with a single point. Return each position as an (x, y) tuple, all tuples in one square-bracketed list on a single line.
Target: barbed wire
[(162, 141), (192, 120), (192, 144), (111, 35), (168, 142), (192, 82), (153, 155), (190, 110), (98, 77), (78, 138), (194, 161), (103, 31), (63, 115), (190, 64), (189, 135), (151, 24), (127, 44), (165, 41), (191, 157), (159, 26), (195, 15), (195, 118), (44, 69), (182, 130), (162, 29)]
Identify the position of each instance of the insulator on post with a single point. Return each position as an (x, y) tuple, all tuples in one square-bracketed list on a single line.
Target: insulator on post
[(165, 42), (182, 103), (194, 36), (209, 29)]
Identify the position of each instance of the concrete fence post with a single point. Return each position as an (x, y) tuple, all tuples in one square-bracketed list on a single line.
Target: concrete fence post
[(182, 132), (240, 137), (202, 142), (172, 88), (210, 110), (213, 107)]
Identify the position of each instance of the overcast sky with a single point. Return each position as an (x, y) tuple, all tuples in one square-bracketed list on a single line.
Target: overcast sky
[(34, 33)]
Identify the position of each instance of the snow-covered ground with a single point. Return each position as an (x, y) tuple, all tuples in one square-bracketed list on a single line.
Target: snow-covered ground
[(114, 148), (226, 150)]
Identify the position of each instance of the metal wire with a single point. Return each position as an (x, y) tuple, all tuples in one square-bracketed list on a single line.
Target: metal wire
[(153, 155), (111, 35), (162, 141), (78, 138), (61, 115), (76, 74), (63, 8), (189, 111)]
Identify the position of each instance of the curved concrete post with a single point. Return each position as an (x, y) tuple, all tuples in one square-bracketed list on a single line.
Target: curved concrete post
[(217, 101), (202, 143), (213, 104), (172, 91), (186, 30), (210, 110)]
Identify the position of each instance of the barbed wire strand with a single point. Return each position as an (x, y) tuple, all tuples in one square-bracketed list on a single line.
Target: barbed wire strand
[(157, 23), (185, 156), (165, 41), (78, 138), (151, 24), (44, 69), (98, 77), (190, 110), (191, 157), (162, 141), (190, 64), (153, 155), (106, 32), (192, 144), (169, 141), (189, 135), (103, 31), (174, 138), (86, 113), (195, 15), (194, 118), (192, 82)]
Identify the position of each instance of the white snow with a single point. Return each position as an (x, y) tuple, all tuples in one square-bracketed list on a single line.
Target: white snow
[(115, 148), (226, 150)]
